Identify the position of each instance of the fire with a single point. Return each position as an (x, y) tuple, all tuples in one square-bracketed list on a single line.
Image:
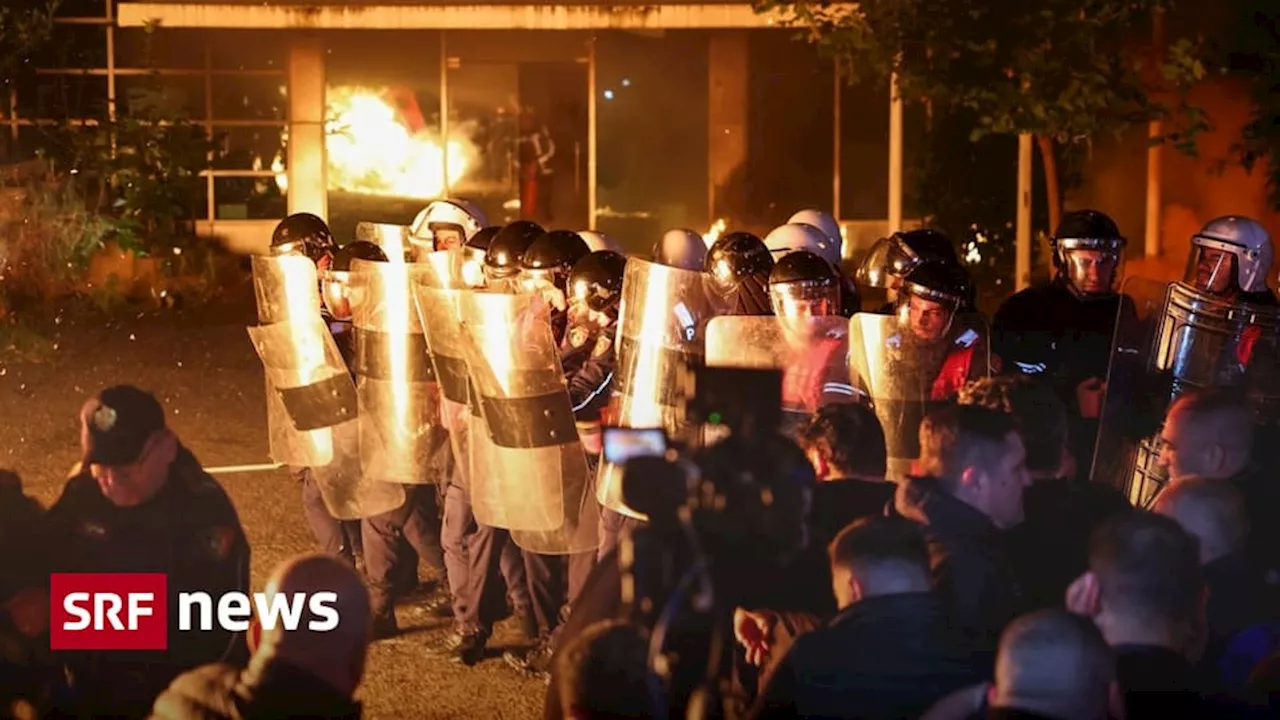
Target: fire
[(372, 151), (717, 229)]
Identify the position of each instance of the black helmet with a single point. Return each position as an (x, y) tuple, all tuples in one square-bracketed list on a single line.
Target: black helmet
[(944, 283), (305, 234), (1087, 251), (803, 283), (802, 266), (482, 239), (502, 257), (335, 282), (553, 255), (735, 257), (896, 255), (596, 281)]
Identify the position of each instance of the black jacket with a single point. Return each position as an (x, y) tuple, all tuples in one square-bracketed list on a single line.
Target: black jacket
[(1050, 548), (589, 370), (884, 657), (263, 691), (971, 570)]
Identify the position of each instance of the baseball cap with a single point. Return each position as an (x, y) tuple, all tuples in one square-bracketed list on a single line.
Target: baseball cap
[(116, 424)]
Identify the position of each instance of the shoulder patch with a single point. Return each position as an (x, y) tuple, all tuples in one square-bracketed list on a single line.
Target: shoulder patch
[(218, 541), (602, 346)]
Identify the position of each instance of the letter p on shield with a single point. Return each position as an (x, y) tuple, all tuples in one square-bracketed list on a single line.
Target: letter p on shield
[(108, 611)]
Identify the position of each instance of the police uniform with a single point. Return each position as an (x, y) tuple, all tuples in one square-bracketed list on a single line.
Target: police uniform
[(188, 530)]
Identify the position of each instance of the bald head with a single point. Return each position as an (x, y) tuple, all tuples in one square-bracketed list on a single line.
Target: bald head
[(338, 655), (1211, 510), (1056, 664), (1207, 433)]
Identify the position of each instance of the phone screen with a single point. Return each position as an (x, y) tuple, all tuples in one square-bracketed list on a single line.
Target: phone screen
[(621, 444)]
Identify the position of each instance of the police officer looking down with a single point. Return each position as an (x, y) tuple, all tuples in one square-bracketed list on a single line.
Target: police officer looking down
[(139, 502), (739, 264), (891, 259)]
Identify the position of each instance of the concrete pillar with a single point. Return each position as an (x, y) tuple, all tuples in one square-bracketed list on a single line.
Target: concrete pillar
[(727, 68), (895, 156), (1022, 255), (308, 188)]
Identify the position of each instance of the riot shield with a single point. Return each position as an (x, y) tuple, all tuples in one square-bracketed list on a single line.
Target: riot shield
[(437, 295), (812, 353), (311, 399), (906, 378), (1171, 338), (530, 474), (393, 239), (661, 330), (400, 434)]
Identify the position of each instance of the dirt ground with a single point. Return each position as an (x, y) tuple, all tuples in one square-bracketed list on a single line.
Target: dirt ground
[(202, 366)]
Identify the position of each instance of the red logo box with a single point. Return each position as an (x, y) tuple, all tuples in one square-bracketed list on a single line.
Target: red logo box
[(108, 611)]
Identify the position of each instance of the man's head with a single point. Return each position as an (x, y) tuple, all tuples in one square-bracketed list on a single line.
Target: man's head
[(125, 444), (1211, 510), (1037, 411), (1057, 665), (602, 673), (878, 556), (1207, 433), (1144, 584), (845, 440), (338, 655), (977, 456)]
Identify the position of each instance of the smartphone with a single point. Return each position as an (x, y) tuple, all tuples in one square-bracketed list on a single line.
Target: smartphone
[(623, 443)]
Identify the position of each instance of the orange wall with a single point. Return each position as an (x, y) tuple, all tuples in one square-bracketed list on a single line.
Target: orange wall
[(1196, 190)]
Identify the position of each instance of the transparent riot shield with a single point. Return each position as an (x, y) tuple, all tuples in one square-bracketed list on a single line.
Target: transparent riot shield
[(437, 295), (661, 330), (1171, 338), (905, 377), (530, 471), (394, 240), (311, 399), (400, 434), (812, 353)]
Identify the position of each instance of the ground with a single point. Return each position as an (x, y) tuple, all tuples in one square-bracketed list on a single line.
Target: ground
[(200, 363)]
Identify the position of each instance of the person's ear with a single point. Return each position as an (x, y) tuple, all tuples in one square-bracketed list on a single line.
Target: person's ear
[(1084, 596), (972, 479), (1215, 457)]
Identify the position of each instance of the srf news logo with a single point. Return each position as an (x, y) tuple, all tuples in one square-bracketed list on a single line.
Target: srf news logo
[(130, 611)]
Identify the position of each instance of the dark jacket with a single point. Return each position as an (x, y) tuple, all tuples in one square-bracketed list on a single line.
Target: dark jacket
[(1237, 602), (883, 657), (188, 531), (836, 504), (589, 370), (971, 571), (263, 691), (1261, 491), (1050, 548)]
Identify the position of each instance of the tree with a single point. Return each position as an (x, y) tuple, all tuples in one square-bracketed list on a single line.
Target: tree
[(25, 25), (1256, 57), (1060, 70)]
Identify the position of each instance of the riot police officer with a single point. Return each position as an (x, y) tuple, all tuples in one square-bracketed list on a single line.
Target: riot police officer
[(473, 255), (681, 248), (502, 257), (308, 235), (545, 268), (819, 233), (891, 258), (739, 264), (448, 223), (1230, 259), (1062, 330)]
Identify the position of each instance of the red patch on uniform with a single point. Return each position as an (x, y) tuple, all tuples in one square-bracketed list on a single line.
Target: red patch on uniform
[(953, 375), (1248, 338)]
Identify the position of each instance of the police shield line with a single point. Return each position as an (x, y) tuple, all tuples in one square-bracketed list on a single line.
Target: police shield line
[(485, 361)]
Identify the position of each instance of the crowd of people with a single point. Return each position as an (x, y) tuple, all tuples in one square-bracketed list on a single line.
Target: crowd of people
[(953, 548)]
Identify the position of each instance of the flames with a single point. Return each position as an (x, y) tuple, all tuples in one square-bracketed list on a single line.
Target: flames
[(373, 151), (717, 229)]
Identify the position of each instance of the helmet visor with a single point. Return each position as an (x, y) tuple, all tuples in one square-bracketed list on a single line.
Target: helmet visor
[(1212, 266), (885, 264), (447, 235), (804, 299), (1093, 267), (335, 289), (926, 314)]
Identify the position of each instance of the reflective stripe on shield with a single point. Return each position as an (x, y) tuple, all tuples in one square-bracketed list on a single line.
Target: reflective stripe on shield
[(437, 295)]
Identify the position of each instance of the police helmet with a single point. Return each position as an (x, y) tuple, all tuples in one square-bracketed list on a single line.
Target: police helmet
[(502, 257), (803, 283), (1227, 243), (931, 296), (681, 248), (824, 221), (1088, 251), (891, 258), (597, 241), (596, 281), (735, 257), (304, 234), (800, 236), (552, 256), (450, 222)]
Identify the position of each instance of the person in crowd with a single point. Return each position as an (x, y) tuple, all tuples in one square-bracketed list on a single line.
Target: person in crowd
[(140, 502), (1145, 590), (1213, 512), (1050, 548), (890, 652), (27, 673), (602, 673), (292, 673), (972, 471), (1210, 434)]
